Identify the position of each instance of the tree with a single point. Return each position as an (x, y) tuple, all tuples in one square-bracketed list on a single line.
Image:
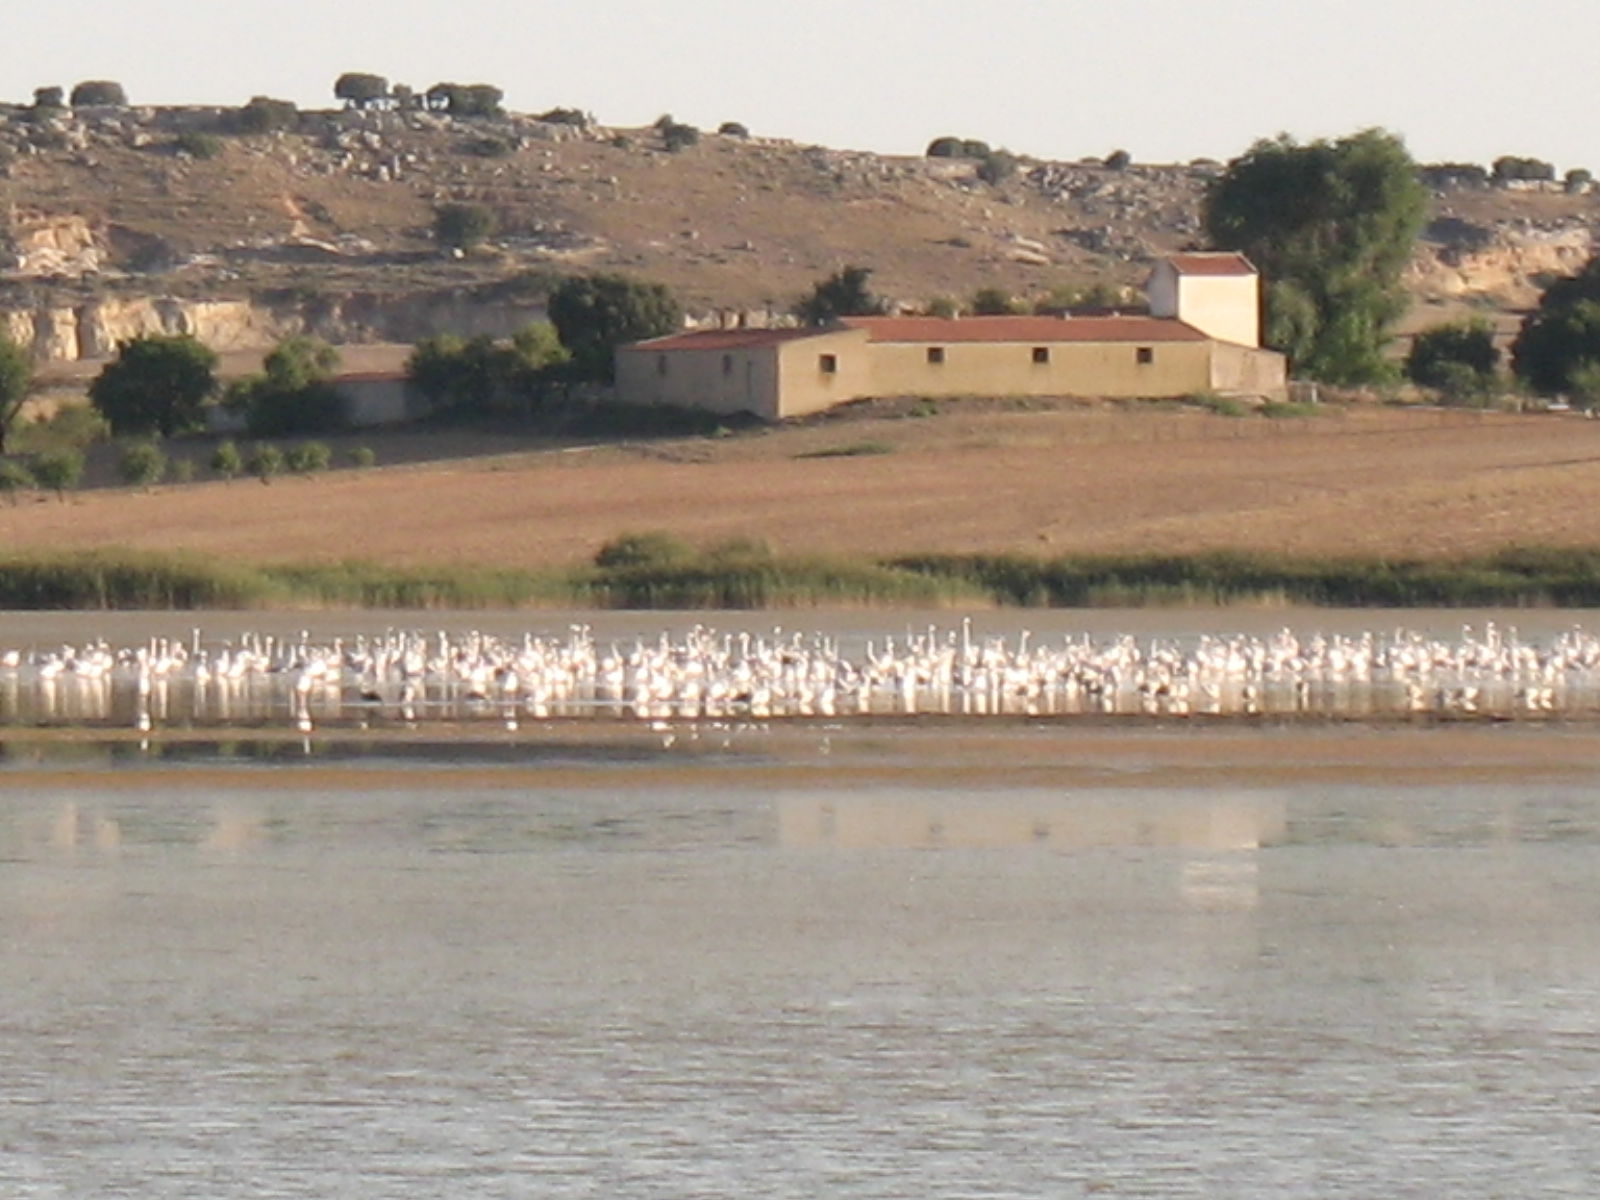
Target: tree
[(480, 376), (1577, 180), (265, 461), (842, 294), (1331, 225), (294, 392), (1437, 352), (1511, 167), (462, 226), (48, 98), (58, 470), (1118, 160), (264, 115), (14, 477), (16, 380), (993, 302), (733, 129), (465, 100), (944, 147), (142, 464), (226, 460), (309, 457), (594, 314), (1562, 334), (93, 92), (360, 90), (157, 384)]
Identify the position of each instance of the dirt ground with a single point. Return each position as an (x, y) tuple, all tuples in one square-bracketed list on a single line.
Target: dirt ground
[(1357, 480)]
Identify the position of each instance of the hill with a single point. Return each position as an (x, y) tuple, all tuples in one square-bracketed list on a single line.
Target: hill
[(121, 220)]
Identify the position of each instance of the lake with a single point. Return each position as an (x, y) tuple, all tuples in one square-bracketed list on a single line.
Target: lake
[(858, 959)]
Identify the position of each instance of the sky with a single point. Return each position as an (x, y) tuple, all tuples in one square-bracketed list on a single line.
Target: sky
[(1167, 80)]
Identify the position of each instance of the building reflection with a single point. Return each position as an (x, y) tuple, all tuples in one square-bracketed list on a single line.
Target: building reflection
[(934, 820)]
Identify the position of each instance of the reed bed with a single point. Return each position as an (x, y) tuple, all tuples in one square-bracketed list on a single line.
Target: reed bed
[(671, 575)]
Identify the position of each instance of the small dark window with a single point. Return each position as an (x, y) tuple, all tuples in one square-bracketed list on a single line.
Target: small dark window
[(661, 364), (935, 355), (1145, 355), (1041, 354), (727, 364), (828, 364)]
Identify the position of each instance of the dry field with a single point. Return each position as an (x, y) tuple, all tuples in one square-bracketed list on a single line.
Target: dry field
[(1356, 480)]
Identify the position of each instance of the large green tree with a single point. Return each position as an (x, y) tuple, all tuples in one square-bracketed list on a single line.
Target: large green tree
[(1331, 225), (1561, 337), (157, 384), (480, 376), (594, 314), (294, 392), (16, 378)]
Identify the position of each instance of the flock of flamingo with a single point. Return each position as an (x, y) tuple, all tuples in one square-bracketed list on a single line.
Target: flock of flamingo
[(702, 674)]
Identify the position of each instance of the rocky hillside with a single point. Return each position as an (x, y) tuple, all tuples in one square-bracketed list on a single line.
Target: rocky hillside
[(118, 221)]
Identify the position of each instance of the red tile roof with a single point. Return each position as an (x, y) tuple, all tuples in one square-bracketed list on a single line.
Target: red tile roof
[(724, 339), (1036, 330), (1213, 262)]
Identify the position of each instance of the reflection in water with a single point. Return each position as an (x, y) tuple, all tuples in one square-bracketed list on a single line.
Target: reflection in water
[(782, 991), (883, 818)]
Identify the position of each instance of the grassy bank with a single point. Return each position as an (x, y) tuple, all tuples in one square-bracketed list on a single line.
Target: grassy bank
[(754, 579)]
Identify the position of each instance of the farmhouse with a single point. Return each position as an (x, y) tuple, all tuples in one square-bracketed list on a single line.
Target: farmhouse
[(1202, 333)]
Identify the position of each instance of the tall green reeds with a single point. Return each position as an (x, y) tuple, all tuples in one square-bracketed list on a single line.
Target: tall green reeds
[(656, 571)]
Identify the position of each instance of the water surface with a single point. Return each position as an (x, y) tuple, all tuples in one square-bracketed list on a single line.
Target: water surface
[(899, 963)]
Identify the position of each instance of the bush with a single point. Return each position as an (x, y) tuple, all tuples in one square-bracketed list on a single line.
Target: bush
[(489, 147), (58, 470), (308, 457), (264, 115), (993, 302), (226, 460), (462, 226), (141, 464), (566, 116), (733, 129), (997, 166), (183, 470), (265, 461), (944, 147), (1437, 352), (677, 137), (1118, 160), (363, 456), (655, 548), (14, 477), (197, 145)]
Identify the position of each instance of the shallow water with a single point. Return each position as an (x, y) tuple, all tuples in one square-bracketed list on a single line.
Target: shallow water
[(900, 962)]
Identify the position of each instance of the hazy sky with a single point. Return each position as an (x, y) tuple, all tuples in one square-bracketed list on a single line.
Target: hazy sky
[(1166, 79)]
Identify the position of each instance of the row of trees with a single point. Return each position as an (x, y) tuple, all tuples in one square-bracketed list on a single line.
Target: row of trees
[(88, 94), (358, 89)]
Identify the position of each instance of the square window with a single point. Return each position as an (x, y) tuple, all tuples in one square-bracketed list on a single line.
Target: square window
[(1041, 355), (828, 364), (935, 355), (1145, 355)]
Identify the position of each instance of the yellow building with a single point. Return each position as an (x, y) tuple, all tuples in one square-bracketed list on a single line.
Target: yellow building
[(1202, 310)]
